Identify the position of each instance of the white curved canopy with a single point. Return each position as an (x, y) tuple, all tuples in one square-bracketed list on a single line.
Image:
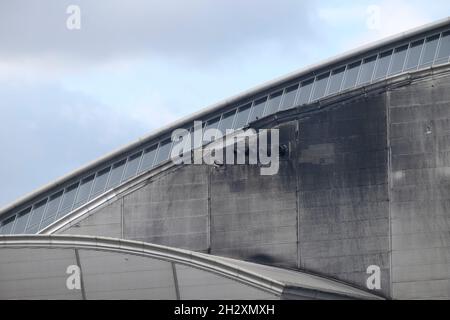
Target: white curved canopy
[(45, 267)]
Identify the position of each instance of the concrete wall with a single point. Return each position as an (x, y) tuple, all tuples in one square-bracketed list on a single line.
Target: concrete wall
[(254, 217), (365, 183), (104, 222), (343, 192), (420, 189), (171, 210)]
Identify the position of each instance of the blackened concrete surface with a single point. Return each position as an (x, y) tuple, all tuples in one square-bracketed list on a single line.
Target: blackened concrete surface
[(365, 182)]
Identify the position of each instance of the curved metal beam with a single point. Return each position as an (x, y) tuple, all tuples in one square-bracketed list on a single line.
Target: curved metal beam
[(226, 103), (238, 271)]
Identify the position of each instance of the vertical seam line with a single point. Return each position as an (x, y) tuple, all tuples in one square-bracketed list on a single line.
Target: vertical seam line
[(175, 280), (77, 257)]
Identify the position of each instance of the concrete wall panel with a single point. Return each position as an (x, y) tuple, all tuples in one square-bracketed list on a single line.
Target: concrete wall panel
[(343, 192), (254, 217), (420, 190)]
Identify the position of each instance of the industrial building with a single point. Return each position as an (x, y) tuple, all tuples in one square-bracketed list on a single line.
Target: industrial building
[(363, 181)]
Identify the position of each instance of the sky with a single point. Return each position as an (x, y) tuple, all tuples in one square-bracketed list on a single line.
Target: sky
[(69, 96)]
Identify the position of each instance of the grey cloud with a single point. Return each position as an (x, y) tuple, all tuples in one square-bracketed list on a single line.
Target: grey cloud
[(194, 29)]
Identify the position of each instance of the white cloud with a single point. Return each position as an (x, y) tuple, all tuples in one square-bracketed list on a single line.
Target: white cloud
[(352, 22), (196, 30), (336, 16), (398, 16)]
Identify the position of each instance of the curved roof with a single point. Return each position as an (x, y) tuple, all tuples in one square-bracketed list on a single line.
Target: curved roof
[(35, 267), (414, 50)]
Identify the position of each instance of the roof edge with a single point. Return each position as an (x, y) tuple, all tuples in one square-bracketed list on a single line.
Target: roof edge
[(224, 266), (226, 102)]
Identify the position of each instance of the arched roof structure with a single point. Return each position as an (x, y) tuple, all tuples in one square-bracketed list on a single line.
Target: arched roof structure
[(419, 49), (42, 267)]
